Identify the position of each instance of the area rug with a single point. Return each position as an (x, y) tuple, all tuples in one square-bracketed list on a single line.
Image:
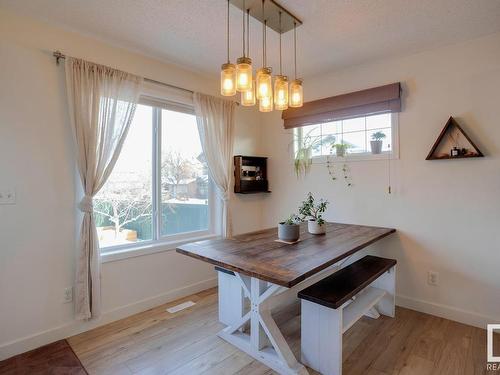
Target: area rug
[(54, 359)]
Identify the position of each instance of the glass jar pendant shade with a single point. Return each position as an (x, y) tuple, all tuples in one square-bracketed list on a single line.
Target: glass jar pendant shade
[(228, 79), (281, 93), (296, 94), (248, 97), (264, 83), (243, 74), (266, 104)]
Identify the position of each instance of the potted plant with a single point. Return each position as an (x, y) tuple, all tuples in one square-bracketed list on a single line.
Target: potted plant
[(341, 148), (309, 209), (305, 144), (376, 142), (289, 229)]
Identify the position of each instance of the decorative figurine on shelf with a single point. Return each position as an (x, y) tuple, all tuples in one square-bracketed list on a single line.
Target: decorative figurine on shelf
[(454, 152)]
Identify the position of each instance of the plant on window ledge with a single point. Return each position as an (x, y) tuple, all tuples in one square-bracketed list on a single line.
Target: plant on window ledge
[(341, 148), (303, 153), (376, 142), (314, 211), (330, 163)]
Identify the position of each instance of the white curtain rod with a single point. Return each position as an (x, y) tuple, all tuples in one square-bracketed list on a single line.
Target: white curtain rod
[(59, 55)]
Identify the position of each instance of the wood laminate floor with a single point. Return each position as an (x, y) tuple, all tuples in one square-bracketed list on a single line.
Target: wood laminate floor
[(157, 342)]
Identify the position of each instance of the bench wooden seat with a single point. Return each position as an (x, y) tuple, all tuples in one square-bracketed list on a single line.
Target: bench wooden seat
[(337, 289), (332, 305)]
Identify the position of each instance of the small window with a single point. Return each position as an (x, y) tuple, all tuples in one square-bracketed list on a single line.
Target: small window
[(159, 189), (355, 134)]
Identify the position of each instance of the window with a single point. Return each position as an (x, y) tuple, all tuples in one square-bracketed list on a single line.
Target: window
[(159, 189), (355, 134)]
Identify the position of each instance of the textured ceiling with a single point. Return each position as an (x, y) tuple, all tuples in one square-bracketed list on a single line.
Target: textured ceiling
[(335, 34)]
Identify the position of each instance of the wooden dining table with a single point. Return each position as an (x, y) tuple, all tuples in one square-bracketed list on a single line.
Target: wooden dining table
[(268, 273)]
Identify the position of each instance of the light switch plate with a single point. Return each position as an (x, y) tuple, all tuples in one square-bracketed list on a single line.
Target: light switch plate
[(7, 196)]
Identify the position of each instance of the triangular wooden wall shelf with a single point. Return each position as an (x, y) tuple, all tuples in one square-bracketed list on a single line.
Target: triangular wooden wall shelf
[(452, 123)]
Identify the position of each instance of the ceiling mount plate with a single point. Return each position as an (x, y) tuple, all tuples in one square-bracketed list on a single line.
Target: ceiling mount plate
[(271, 14)]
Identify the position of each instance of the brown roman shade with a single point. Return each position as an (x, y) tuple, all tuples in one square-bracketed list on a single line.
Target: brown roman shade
[(383, 99)]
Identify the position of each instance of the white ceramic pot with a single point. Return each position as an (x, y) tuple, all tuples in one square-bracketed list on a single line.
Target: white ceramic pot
[(314, 228)]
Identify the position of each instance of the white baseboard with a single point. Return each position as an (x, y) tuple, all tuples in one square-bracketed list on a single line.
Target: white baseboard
[(27, 343), (443, 311), (24, 344)]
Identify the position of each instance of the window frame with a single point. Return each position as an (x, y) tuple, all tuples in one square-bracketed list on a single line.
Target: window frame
[(360, 156), (161, 242)]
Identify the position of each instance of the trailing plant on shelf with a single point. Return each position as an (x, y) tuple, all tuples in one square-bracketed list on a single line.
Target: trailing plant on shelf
[(312, 210), (289, 229), (305, 145), (377, 141), (330, 163)]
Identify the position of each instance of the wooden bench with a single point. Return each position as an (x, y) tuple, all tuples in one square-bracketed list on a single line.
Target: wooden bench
[(332, 305)]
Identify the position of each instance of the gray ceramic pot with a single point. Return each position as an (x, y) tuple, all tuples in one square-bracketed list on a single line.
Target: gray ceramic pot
[(376, 147), (289, 233)]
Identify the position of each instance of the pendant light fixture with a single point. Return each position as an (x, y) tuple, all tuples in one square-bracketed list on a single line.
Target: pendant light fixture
[(240, 78), (266, 104), (296, 91), (264, 80), (243, 65), (228, 70), (280, 83), (248, 96)]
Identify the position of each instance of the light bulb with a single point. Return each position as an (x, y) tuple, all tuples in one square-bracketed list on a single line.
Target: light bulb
[(228, 79), (248, 97), (266, 104), (281, 93), (296, 94), (243, 74), (264, 83)]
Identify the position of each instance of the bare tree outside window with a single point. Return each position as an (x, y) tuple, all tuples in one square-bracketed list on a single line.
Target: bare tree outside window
[(176, 170), (124, 201)]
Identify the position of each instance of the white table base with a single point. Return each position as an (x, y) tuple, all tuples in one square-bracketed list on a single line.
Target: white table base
[(265, 342)]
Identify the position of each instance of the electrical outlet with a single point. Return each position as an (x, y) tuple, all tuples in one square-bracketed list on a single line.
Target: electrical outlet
[(68, 295), (7, 196), (433, 278)]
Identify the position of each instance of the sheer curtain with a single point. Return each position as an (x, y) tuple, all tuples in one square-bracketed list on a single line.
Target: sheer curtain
[(215, 119), (102, 103)]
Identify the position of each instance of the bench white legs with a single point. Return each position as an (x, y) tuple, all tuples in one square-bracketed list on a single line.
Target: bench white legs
[(321, 338), (322, 327)]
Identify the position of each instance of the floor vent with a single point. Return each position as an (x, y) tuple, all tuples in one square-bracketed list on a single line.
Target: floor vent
[(180, 307)]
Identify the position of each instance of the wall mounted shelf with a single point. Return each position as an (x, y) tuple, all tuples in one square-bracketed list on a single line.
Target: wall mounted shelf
[(250, 175), (448, 128)]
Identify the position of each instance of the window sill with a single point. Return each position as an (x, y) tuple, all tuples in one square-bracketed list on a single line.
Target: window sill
[(355, 157), (152, 248)]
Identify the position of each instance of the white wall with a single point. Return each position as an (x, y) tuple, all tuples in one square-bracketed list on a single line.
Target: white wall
[(37, 235), (447, 213)]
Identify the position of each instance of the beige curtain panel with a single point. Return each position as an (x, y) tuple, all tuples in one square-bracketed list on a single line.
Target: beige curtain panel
[(376, 100), (102, 103), (215, 118)]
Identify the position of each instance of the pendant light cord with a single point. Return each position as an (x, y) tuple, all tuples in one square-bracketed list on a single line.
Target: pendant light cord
[(263, 37), (248, 32), (281, 73), (295, 47), (227, 32), (243, 14)]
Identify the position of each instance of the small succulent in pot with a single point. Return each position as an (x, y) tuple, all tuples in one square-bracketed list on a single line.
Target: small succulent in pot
[(314, 211), (341, 148), (376, 142), (289, 229)]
